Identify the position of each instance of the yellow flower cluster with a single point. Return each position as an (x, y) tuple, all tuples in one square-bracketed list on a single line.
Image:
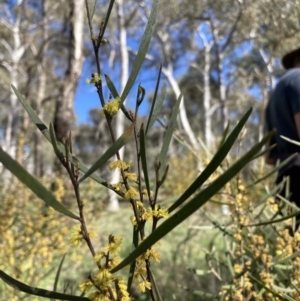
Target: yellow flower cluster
[(260, 251), (284, 243), (131, 194), (77, 235), (132, 176), (30, 241), (160, 212), (114, 245), (273, 204), (112, 107), (96, 78), (140, 274), (119, 164), (148, 213), (59, 191), (106, 285)]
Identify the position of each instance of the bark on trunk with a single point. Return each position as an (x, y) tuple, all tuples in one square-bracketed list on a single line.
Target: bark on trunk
[(268, 82), (208, 135), (42, 77), (64, 111), (16, 52), (115, 178), (222, 92)]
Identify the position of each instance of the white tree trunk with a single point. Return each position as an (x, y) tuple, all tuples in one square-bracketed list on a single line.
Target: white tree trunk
[(208, 134), (182, 111), (268, 82), (16, 52), (124, 57), (42, 78), (222, 91)]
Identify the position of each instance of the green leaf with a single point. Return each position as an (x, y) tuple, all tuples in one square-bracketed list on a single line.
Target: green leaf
[(143, 48), (135, 242), (214, 163), (224, 136), (154, 97), (265, 151), (33, 184), (157, 108), (111, 86), (279, 220), (58, 273), (289, 258), (290, 140), (111, 4), (54, 142), (201, 272), (44, 130), (168, 135), (154, 286), (279, 166), (204, 295), (115, 94), (281, 296), (112, 150), (144, 158), (93, 9), (194, 204), (38, 291)]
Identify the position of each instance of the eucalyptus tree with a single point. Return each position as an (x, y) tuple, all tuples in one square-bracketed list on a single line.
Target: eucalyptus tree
[(41, 54), (273, 31), (13, 46), (200, 36), (64, 111)]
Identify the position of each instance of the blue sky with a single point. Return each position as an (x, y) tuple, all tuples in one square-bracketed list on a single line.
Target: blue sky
[(87, 98)]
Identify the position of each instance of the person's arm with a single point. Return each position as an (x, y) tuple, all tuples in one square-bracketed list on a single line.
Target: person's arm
[(297, 122), (268, 159)]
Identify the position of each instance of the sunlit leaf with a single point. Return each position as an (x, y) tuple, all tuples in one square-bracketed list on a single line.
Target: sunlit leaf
[(115, 94), (58, 273), (110, 7), (154, 98), (156, 107), (143, 48), (169, 134), (144, 158), (224, 136), (290, 140)]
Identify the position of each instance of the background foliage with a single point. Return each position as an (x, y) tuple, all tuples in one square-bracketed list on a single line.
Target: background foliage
[(224, 57)]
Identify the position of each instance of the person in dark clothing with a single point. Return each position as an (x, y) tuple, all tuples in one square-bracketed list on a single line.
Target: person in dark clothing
[(283, 115)]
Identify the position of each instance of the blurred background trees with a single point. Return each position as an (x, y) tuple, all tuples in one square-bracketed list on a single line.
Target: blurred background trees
[(224, 56)]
